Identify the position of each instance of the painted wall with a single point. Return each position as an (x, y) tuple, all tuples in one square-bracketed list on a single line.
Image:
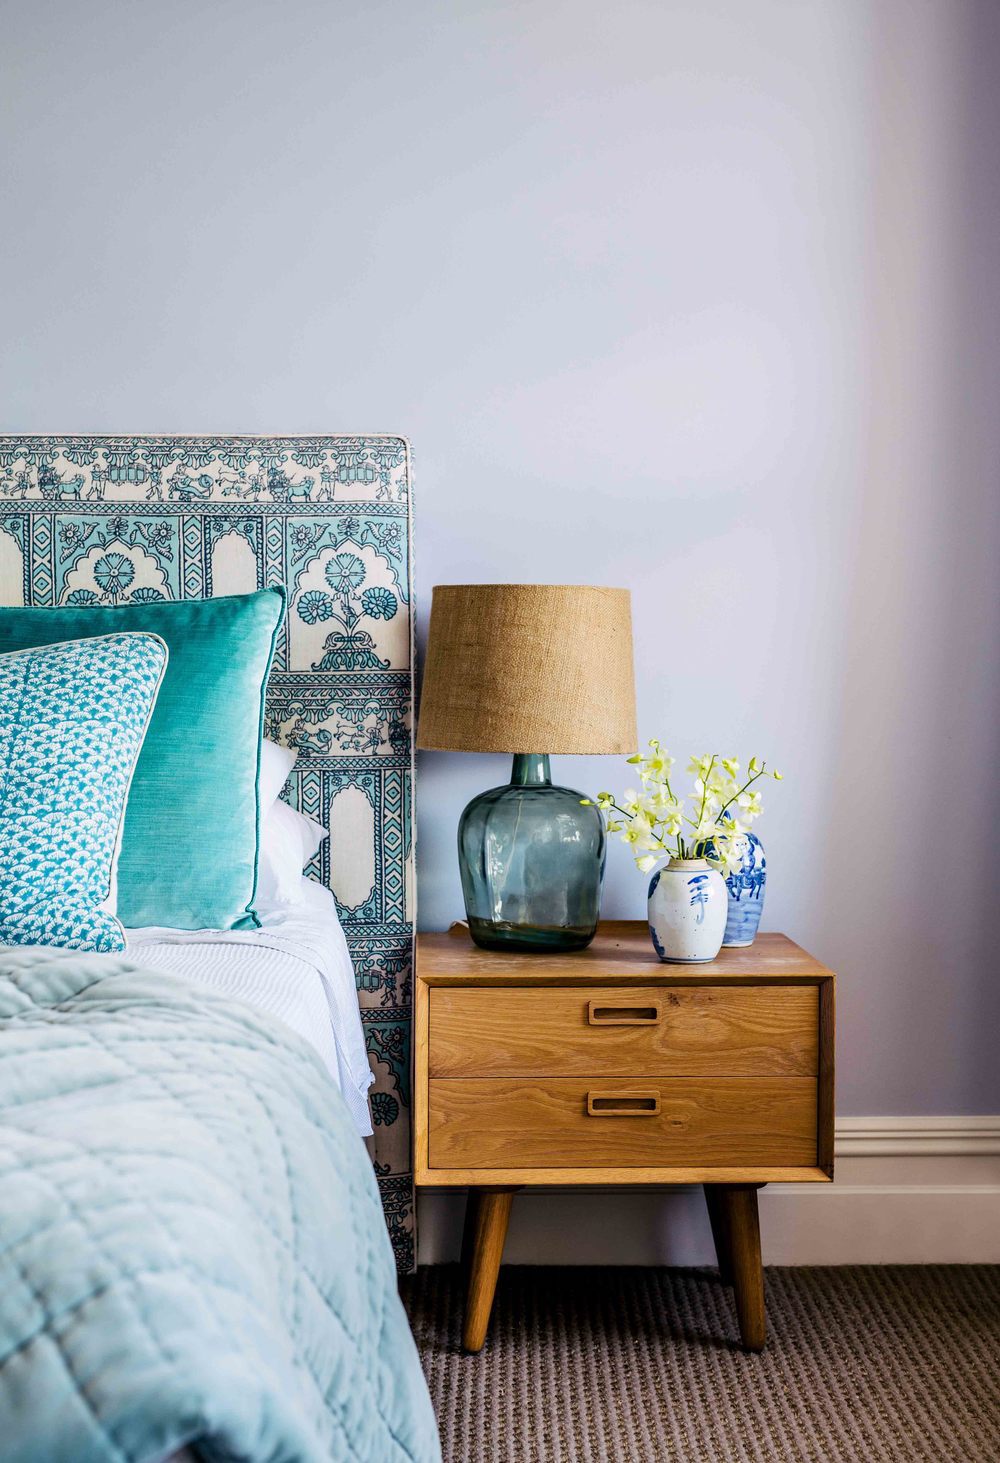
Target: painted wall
[(697, 296)]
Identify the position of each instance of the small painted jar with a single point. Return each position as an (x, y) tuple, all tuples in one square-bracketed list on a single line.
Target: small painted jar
[(688, 903)]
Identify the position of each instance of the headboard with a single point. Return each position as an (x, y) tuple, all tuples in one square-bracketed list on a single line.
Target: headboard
[(110, 519)]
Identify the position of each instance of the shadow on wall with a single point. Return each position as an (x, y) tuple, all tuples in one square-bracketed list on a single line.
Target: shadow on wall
[(924, 634)]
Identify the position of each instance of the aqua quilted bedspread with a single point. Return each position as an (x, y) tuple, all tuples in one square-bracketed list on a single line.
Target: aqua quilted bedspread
[(192, 1248)]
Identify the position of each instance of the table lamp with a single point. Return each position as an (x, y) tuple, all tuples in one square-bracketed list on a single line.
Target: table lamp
[(530, 669)]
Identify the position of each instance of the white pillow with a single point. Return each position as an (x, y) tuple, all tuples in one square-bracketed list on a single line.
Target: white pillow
[(288, 840), (275, 765)]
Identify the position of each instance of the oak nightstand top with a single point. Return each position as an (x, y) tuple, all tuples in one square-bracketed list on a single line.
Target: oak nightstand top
[(621, 953)]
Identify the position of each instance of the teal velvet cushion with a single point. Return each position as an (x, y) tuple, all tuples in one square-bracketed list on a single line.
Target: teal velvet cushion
[(189, 852), (72, 720)]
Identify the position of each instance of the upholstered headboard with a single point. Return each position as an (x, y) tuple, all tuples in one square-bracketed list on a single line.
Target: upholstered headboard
[(112, 519)]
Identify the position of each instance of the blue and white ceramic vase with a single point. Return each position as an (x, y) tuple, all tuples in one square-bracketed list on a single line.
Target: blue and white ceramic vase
[(746, 895), (687, 911)]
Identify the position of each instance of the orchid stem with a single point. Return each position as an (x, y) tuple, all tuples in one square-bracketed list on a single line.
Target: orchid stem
[(749, 783)]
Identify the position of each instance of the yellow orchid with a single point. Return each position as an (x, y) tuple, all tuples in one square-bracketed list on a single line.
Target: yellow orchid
[(750, 804), (657, 824), (731, 854), (659, 763)]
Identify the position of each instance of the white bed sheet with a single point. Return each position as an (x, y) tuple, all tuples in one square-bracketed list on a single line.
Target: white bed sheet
[(296, 967)]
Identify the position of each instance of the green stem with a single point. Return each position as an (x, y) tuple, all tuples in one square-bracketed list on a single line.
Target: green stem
[(670, 795), (704, 793), (749, 783)]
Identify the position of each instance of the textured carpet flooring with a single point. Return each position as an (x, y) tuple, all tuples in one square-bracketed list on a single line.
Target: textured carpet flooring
[(861, 1364)]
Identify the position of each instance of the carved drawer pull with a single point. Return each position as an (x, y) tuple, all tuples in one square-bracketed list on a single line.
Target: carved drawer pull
[(623, 1104), (600, 1013)]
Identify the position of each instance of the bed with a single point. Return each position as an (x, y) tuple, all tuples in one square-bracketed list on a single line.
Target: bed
[(296, 967), (197, 1251)]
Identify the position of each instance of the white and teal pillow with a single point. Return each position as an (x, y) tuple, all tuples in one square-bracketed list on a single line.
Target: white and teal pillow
[(72, 720), (192, 829)]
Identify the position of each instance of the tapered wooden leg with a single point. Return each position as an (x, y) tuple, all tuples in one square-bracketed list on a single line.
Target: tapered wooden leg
[(720, 1232), (741, 1229), (486, 1230)]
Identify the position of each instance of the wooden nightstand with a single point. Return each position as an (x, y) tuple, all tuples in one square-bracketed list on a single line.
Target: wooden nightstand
[(608, 1067)]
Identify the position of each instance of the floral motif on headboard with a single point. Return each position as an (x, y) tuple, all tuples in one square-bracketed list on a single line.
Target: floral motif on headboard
[(112, 520)]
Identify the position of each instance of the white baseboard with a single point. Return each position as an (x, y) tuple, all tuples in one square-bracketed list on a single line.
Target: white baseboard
[(928, 1137), (909, 1191)]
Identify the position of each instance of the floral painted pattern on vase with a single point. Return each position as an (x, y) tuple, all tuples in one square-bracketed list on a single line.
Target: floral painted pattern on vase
[(746, 892), (688, 904), (746, 895)]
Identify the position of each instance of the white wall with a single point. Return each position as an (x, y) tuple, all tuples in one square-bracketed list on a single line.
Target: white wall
[(697, 296)]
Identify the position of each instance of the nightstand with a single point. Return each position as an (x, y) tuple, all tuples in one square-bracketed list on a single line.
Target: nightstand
[(606, 1066)]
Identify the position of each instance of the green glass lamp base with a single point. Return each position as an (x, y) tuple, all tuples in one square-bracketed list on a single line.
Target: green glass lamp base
[(532, 862), (491, 935)]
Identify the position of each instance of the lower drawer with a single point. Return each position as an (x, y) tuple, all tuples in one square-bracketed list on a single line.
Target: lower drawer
[(570, 1122)]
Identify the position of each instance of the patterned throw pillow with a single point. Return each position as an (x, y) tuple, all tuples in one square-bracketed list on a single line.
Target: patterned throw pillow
[(192, 833), (72, 720)]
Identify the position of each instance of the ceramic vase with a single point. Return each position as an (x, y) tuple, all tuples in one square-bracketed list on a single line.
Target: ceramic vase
[(688, 904), (746, 895)]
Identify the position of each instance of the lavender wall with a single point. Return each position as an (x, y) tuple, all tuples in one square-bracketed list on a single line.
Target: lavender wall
[(699, 297)]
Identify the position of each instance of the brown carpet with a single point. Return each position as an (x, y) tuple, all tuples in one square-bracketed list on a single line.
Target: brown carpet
[(864, 1364)]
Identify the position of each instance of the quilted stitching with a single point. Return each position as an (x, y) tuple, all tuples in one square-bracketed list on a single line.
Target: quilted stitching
[(72, 720), (191, 1240)]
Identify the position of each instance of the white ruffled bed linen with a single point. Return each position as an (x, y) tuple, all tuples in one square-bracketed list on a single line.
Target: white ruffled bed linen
[(296, 967)]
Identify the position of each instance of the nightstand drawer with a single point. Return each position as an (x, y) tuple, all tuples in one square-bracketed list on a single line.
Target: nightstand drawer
[(596, 1123), (752, 1031)]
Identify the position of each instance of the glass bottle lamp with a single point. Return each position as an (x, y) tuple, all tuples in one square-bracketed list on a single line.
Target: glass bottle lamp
[(515, 665), (531, 858)]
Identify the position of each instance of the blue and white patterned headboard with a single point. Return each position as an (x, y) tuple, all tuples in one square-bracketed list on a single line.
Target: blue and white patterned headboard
[(112, 519)]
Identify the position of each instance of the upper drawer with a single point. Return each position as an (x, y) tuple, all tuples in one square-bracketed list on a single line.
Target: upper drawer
[(742, 1031)]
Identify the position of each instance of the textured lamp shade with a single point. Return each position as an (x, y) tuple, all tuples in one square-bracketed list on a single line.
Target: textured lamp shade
[(529, 667)]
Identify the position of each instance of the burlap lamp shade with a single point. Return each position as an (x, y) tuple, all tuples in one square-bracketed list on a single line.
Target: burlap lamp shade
[(529, 668)]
